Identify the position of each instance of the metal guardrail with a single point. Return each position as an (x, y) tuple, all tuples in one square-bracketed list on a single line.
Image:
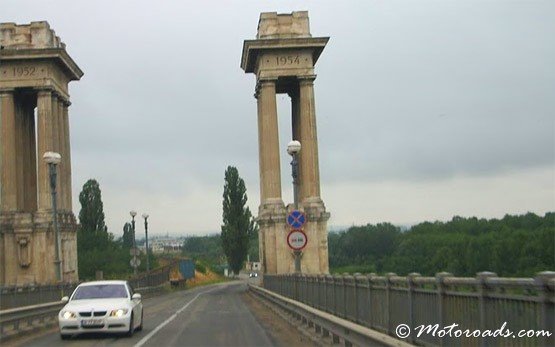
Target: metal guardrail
[(153, 278), (384, 302), (19, 296), (16, 320), (327, 325)]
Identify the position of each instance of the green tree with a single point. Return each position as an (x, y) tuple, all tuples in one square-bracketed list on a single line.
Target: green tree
[(127, 238), (96, 248), (238, 223), (91, 216)]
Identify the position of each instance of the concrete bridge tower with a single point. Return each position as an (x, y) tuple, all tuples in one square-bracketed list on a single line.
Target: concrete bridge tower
[(35, 70), (282, 57)]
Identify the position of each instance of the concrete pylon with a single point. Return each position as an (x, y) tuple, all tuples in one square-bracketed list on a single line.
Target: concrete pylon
[(35, 70), (282, 57)]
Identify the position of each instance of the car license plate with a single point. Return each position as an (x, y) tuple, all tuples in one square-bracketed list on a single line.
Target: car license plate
[(89, 322)]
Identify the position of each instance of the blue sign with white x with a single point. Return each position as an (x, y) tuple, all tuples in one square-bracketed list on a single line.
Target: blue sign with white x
[(296, 219)]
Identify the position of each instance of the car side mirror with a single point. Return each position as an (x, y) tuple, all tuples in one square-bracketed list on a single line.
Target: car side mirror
[(136, 296), (65, 299)]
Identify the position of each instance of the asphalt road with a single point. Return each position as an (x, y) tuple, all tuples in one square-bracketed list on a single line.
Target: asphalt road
[(206, 316)]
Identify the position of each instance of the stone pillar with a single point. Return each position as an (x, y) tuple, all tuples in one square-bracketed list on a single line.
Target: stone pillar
[(66, 160), (296, 127), (9, 198), (61, 149), (30, 160), (56, 144), (268, 143), (308, 158), (20, 151), (45, 144)]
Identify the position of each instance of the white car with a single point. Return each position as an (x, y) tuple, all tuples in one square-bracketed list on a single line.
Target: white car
[(101, 306)]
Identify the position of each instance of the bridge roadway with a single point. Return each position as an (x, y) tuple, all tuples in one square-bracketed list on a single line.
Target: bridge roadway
[(214, 315)]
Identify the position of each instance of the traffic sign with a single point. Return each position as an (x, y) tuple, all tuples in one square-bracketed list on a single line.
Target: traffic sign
[(296, 219), (135, 262), (134, 251), (297, 240)]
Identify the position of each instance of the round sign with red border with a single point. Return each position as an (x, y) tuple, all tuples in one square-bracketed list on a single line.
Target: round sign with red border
[(297, 240)]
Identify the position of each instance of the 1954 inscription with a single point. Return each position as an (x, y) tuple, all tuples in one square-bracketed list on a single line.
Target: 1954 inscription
[(287, 60)]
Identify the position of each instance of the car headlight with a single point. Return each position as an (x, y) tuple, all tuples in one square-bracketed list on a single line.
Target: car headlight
[(68, 314), (119, 313)]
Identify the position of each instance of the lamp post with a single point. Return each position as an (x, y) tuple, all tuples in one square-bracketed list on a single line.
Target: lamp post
[(145, 216), (53, 159), (293, 148), (133, 214)]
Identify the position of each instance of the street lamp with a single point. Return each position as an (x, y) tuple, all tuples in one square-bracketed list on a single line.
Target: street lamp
[(293, 148), (133, 214), (145, 216), (53, 159)]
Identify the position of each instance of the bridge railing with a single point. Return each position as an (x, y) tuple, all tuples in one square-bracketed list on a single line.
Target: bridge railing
[(382, 303), (17, 296), (26, 295)]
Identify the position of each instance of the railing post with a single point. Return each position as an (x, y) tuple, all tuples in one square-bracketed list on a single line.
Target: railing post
[(297, 285), (344, 286), (483, 292), (356, 276), (370, 277), (334, 308), (317, 285), (388, 300), (542, 280), (440, 277), (411, 286), (325, 308)]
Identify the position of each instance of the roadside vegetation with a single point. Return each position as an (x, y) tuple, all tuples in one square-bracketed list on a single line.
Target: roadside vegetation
[(97, 249), (238, 223), (514, 246)]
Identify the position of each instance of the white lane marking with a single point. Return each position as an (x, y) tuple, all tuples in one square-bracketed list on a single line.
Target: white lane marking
[(172, 317)]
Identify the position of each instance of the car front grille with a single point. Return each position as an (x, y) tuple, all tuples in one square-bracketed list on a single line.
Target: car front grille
[(98, 326), (95, 314)]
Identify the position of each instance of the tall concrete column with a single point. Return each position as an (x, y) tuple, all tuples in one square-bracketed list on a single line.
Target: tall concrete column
[(61, 150), (45, 143), (31, 160), (66, 160), (308, 158), (20, 151), (296, 127), (268, 143), (56, 144), (9, 198)]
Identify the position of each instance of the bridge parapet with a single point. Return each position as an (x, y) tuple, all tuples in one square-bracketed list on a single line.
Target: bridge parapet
[(382, 303)]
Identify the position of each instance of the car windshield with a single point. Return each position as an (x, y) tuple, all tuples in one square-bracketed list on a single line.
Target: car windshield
[(100, 291)]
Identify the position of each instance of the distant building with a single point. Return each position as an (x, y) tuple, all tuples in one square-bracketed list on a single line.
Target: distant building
[(252, 266)]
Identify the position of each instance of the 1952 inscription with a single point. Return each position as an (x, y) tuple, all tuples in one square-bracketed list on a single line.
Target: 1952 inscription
[(23, 71)]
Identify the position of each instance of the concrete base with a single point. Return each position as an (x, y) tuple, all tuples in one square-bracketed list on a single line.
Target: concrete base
[(275, 254), (27, 248)]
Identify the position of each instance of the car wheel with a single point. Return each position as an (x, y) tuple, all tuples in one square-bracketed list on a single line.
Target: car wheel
[(140, 327), (64, 336), (131, 328)]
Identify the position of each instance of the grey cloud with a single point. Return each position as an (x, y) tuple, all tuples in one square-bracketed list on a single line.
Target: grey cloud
[(409, 91)]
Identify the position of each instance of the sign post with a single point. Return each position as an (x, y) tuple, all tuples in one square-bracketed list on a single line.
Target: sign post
[(134, 262), (296, 239)]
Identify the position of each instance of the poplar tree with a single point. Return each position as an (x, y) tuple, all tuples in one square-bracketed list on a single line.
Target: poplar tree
[(238, 223)]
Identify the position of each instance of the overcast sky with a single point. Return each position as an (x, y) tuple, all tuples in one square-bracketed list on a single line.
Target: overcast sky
[(425, 109)]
